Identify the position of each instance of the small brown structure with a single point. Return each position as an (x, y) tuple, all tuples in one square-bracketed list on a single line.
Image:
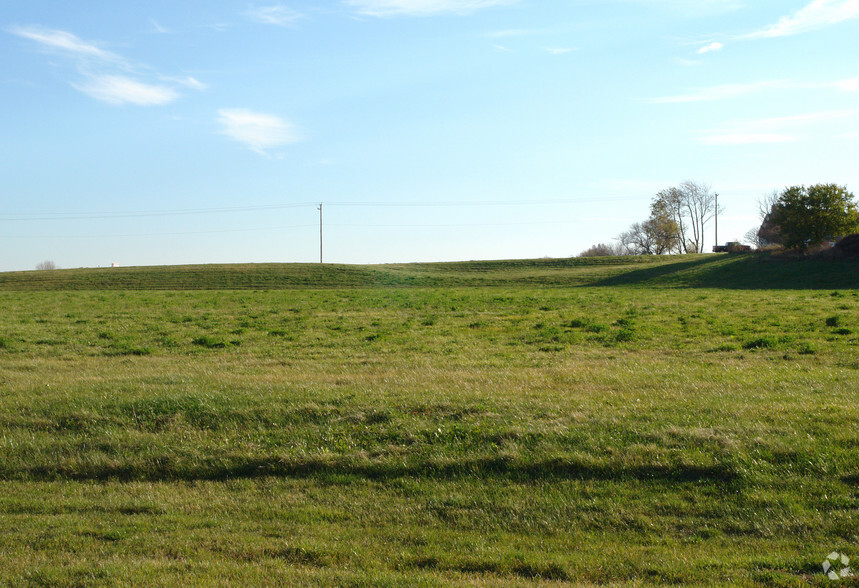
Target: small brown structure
[(732, 247)]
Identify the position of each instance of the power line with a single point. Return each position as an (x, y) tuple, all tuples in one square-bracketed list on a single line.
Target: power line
[(35, 216), (455, 203), (63, 216), (502, 224), (306, 226), (53, 216), (171, 234)]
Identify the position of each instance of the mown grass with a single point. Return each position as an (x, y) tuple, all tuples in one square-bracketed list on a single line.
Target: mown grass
[(568, 272), (758, 271), (391, 435)]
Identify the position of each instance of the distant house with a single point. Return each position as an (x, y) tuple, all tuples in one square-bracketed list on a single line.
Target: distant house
[(114, 264)]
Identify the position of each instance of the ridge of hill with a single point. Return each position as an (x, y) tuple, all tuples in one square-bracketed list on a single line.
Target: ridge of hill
[(755, 271)]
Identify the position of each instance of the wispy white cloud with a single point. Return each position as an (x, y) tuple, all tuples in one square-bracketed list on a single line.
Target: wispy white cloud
[(64, 42), (687, 8), (709, 48), (388, 8), (115, 89), (783, 129), (803, 119), (274, 15), (850, 85), (502, 34), (107, 76), (726, 91), (818, 14), (188, 82), (257, 130), (157, 28), (721, 92)]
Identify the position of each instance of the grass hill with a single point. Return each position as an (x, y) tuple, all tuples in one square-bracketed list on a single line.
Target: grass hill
[(757, 271)]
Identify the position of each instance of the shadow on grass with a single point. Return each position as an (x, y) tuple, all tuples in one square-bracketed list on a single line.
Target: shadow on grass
[(488, 468), (744, 272), (738, 271), (551, 571), (661, 274)]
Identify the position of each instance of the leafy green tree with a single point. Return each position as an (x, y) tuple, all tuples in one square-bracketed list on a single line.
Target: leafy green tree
[(655, 236), (668, 206), (808, 216), (666, 232)]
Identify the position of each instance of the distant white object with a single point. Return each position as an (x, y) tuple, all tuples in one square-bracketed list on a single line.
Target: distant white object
[(114, 264)]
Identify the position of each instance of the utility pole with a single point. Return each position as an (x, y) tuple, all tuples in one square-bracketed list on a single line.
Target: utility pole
[(320, 232), (717, 218)]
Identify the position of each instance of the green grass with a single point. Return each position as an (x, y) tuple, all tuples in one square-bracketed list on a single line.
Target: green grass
[(758, 271), (487, 430)]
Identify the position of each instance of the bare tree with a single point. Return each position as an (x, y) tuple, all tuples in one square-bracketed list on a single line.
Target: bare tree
[(46, 265), (700, 205), (766, 203), (691, 206), (636, 241), (753, 238), (768, 233)]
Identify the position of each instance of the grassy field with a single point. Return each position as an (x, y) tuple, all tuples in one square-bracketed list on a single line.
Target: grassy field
[(685, 420), (713, 271)]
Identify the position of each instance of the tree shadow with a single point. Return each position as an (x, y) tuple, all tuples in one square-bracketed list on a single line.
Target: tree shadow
[(665, 274), (744, 272), (480, 468)]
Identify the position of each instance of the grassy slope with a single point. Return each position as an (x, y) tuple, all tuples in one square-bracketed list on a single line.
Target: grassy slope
[(499, 435), (279, 276), (712, 271)]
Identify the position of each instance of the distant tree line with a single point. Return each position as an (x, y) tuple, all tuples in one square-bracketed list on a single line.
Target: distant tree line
[(798, 217), (46, 265), (678, 217)]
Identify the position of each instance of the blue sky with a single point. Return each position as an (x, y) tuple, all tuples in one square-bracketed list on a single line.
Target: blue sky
[(208, 131)]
